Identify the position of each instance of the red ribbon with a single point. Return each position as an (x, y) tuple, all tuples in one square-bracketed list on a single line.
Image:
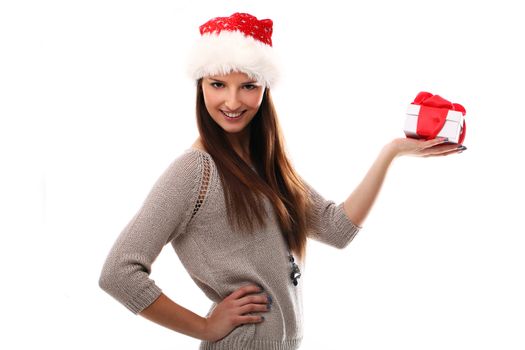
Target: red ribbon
[(433, 115)]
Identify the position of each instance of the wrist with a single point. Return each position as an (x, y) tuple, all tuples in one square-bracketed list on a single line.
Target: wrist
[(391, 151), (203, 329)]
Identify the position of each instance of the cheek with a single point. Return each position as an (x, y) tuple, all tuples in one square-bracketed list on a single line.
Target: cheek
[(255, 100), (210, 99)]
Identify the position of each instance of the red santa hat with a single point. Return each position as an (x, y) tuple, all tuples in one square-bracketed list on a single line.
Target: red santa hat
[(240, 43)]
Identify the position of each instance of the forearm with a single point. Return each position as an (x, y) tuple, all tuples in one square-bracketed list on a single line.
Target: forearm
[(169, 314), (358, 204)]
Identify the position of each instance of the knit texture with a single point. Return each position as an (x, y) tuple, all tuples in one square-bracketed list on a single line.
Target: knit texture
[(186, 208)]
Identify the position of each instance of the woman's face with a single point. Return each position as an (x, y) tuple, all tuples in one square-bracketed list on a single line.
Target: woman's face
[(232, 100)]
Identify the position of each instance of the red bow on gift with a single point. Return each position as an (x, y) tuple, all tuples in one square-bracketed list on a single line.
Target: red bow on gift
[(433, 115)]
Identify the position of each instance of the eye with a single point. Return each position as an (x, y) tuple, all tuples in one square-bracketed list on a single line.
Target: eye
[(213, 84), (251, 86)]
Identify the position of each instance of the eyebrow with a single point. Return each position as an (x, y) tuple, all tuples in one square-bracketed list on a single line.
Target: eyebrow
[(220, 81)]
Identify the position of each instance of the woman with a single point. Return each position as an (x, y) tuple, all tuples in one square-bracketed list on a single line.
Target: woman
[(234, 209)]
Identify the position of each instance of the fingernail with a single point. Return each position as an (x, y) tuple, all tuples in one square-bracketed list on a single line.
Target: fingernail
[(269, 299), (462, 148), (262, 318)]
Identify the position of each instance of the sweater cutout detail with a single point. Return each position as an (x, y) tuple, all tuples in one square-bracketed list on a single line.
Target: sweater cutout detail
[(204, 185)]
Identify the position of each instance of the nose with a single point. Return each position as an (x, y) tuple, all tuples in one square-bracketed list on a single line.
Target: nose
[(232, 101)]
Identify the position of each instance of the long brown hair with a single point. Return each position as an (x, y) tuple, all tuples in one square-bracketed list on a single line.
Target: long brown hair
[(277, 178)]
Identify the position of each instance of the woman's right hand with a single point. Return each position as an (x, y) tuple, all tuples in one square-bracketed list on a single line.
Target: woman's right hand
[(229, 313)]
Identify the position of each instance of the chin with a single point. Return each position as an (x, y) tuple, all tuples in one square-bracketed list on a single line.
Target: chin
[(231, 130)]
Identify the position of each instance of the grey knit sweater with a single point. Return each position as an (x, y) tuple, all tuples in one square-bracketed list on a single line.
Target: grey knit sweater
[(186, 207)]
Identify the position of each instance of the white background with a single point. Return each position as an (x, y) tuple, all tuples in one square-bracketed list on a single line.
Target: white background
[(95, 103)]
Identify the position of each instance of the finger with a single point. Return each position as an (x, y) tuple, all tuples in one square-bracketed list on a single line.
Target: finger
[(253, 308), (255, 299), (434, 142), (250, 288), (441, 149), (456, 150), (248, 319)]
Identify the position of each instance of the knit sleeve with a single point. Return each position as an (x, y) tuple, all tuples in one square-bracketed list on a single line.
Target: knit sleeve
[(329, 222), (163, 216)]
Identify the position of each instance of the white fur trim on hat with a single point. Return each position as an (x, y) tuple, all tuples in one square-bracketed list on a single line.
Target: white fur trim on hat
[(220, 54)]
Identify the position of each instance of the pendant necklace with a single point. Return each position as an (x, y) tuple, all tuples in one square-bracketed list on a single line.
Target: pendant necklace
[(296, 273)]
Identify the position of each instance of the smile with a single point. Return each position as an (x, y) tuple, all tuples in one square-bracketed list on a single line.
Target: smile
[(233, 115)]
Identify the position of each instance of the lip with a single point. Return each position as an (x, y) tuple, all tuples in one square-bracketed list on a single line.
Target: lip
[(233, 112), (230, 119)]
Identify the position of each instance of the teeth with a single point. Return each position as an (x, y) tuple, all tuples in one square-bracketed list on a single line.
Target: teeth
[(232, 115)]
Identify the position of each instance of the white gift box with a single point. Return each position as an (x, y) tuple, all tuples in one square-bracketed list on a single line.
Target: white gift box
[(452, 128)]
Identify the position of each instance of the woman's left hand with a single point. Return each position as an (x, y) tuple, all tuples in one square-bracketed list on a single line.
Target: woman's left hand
[(421, 148)]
